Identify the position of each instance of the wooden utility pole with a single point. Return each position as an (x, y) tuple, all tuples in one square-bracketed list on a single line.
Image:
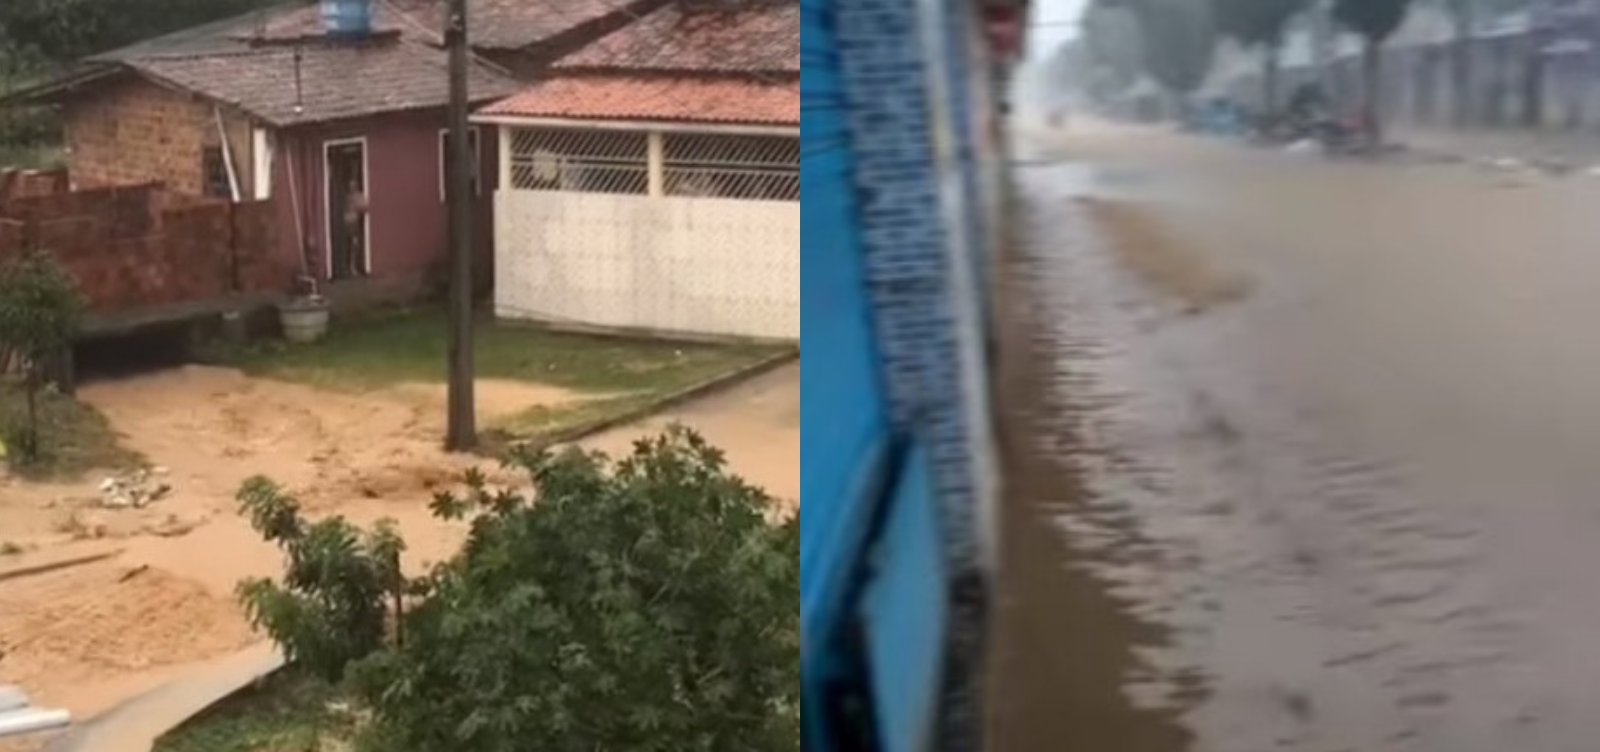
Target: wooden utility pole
[(462, 431)]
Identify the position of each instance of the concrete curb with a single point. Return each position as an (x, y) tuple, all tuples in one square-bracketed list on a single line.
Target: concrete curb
[(135, 725), (705, 388)]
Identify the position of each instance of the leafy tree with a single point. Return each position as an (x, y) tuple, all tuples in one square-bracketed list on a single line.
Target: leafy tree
[(1260, 23), (1374, 21), (645, 605), (62, 31), (331, 608), (1179, 41), (1111, 35), (39, 313)]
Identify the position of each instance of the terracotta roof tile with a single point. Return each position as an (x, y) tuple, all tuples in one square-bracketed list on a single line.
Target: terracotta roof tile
[(669, 39), (676, 99), (336, 80)]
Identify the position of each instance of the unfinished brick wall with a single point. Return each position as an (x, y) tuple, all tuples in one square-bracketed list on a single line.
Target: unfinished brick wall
[(132, 131), (136, 248)]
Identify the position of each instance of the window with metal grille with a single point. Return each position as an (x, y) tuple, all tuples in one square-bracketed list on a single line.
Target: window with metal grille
[(763, 168), (571, 159)]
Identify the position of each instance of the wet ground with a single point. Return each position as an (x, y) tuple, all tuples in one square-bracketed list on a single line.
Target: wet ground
[(161, 608), (1302, 452)]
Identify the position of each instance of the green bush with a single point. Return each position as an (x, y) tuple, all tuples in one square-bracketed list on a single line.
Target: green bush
[(332, 607), (646, 604)]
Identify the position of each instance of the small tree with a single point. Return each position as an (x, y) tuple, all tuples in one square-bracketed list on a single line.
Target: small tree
[(644, 606), (39, 313), (1260, 23), (1374, 21), (332, 606)]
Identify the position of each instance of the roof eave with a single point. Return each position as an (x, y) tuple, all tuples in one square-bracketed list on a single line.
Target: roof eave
[(50, 92), (304, 121), (680, 126), (758, 75)]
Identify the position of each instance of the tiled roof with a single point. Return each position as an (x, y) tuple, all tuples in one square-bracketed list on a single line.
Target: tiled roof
[(510, 24), (494, 24), (670, 39), (336, 80), (704, 100)]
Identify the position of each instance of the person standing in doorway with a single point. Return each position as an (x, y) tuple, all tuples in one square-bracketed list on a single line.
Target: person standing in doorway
[(355, 223)]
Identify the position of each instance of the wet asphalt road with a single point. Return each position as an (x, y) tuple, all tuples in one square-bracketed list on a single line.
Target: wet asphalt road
[(1316, 446)]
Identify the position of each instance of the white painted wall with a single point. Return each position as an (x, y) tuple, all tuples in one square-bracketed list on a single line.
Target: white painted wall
[(691, 265)]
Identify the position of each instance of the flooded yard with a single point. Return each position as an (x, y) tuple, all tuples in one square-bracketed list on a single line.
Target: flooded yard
[(90, 636)]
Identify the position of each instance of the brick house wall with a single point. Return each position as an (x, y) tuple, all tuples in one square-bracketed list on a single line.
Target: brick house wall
[(131, 131), (409, 218), (136, 248)]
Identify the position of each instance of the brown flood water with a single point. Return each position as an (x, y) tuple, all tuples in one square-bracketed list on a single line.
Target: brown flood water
[(1300, 453)]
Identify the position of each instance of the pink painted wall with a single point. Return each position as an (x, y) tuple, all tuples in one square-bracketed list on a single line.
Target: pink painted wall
[(409, 221)]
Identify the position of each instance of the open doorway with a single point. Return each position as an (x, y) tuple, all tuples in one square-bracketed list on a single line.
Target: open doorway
[(348, 219)]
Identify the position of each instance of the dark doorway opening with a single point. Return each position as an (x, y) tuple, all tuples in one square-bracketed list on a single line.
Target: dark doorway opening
[(349, 219)]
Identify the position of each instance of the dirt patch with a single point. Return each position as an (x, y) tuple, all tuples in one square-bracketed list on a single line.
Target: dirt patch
[(215, 427), (1164, 261), (67, 631)]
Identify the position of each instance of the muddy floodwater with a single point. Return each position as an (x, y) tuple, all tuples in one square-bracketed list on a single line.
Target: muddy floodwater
[(1333, 436)]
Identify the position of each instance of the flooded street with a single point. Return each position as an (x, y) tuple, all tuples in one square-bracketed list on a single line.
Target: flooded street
[(1317, 442)]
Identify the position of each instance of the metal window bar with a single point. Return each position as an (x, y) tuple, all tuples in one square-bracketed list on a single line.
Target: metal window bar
[(763, 168), (573, 159)]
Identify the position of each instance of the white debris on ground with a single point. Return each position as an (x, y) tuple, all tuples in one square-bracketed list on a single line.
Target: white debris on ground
[(18, 717), (1508, 164), (1303, 146), (136, 489)]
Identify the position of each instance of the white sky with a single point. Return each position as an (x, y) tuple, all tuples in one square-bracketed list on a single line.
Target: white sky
[(1052, 22)]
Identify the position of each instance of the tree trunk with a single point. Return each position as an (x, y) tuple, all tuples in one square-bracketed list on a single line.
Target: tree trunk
[(30, 441), (1372, 92), (1322, 36), (1461, 64), (1269, 78), (1532, 82)]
